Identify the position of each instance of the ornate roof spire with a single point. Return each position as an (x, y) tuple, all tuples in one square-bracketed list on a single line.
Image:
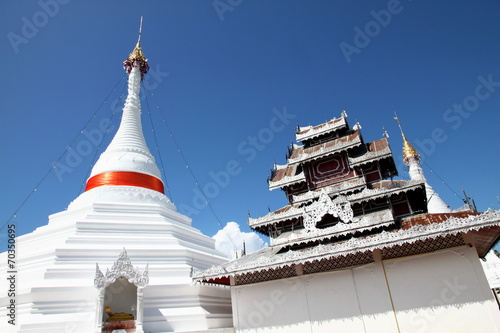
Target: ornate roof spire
[(136, 58), (408, 150), (127, 161)]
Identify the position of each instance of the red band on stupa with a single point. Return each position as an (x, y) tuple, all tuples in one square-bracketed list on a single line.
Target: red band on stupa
[(125, 178)]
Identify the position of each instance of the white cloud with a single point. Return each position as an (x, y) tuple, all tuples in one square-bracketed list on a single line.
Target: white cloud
[(232, 232)]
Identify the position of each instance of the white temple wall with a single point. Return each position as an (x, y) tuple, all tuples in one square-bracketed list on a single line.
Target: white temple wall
[(327, 302), (444, 291), (273, 306), (374, 299), (351, 300)]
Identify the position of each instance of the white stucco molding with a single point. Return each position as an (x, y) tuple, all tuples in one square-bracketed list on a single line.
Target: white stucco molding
[(268, 258), (325, 205), (120, 194), (122, 267)]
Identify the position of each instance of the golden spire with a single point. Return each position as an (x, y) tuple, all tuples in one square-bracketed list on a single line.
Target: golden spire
[(137, 53), (136, 58), (408, 149)]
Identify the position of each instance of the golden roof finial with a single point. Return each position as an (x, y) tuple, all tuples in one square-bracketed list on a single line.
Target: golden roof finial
[(408, 149), (136, 58)]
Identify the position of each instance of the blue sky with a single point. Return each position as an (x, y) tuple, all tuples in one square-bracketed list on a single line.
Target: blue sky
[(233, 79)]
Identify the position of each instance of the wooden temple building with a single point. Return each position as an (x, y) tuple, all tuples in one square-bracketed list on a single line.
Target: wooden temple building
[(355, 250)]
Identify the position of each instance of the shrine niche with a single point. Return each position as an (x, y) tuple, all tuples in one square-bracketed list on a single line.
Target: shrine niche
[(120, 300)]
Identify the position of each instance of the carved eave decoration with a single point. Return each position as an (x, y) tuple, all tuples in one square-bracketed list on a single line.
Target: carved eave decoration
[(287, 181), (285, 175), (366, 222), (122, 267), (310, 132), (311, 213), (302, 154), (283, 214), (270, 258), (296, 211), (392, 188), (315, 211), (343, 187), (370, 157)]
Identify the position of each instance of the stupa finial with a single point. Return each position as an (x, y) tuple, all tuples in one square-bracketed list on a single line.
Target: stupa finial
[(136, 58), (408, 150), (140, 30)]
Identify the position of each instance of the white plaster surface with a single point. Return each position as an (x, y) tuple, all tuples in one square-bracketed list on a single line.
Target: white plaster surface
[(445, 291), (57, 264)]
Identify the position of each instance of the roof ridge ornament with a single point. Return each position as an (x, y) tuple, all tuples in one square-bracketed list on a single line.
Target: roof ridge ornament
[(343, 113), (137, 58)]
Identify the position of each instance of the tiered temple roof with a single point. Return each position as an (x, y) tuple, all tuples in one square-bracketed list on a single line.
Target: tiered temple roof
[(285, 175), (375, 151), (302, 154), (311, 132), (380, 189), (343, 207)]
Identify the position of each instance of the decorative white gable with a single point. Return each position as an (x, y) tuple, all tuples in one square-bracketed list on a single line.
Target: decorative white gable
[(122, 268)]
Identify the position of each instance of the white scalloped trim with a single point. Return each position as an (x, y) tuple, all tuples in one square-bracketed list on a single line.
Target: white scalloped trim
[(121, 194), (451, 226)]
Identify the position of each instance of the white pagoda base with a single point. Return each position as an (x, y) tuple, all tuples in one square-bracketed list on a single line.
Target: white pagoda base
[(56, 266)]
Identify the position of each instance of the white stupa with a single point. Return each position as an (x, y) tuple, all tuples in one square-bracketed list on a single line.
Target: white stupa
[(412, 159), (145, 250)]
